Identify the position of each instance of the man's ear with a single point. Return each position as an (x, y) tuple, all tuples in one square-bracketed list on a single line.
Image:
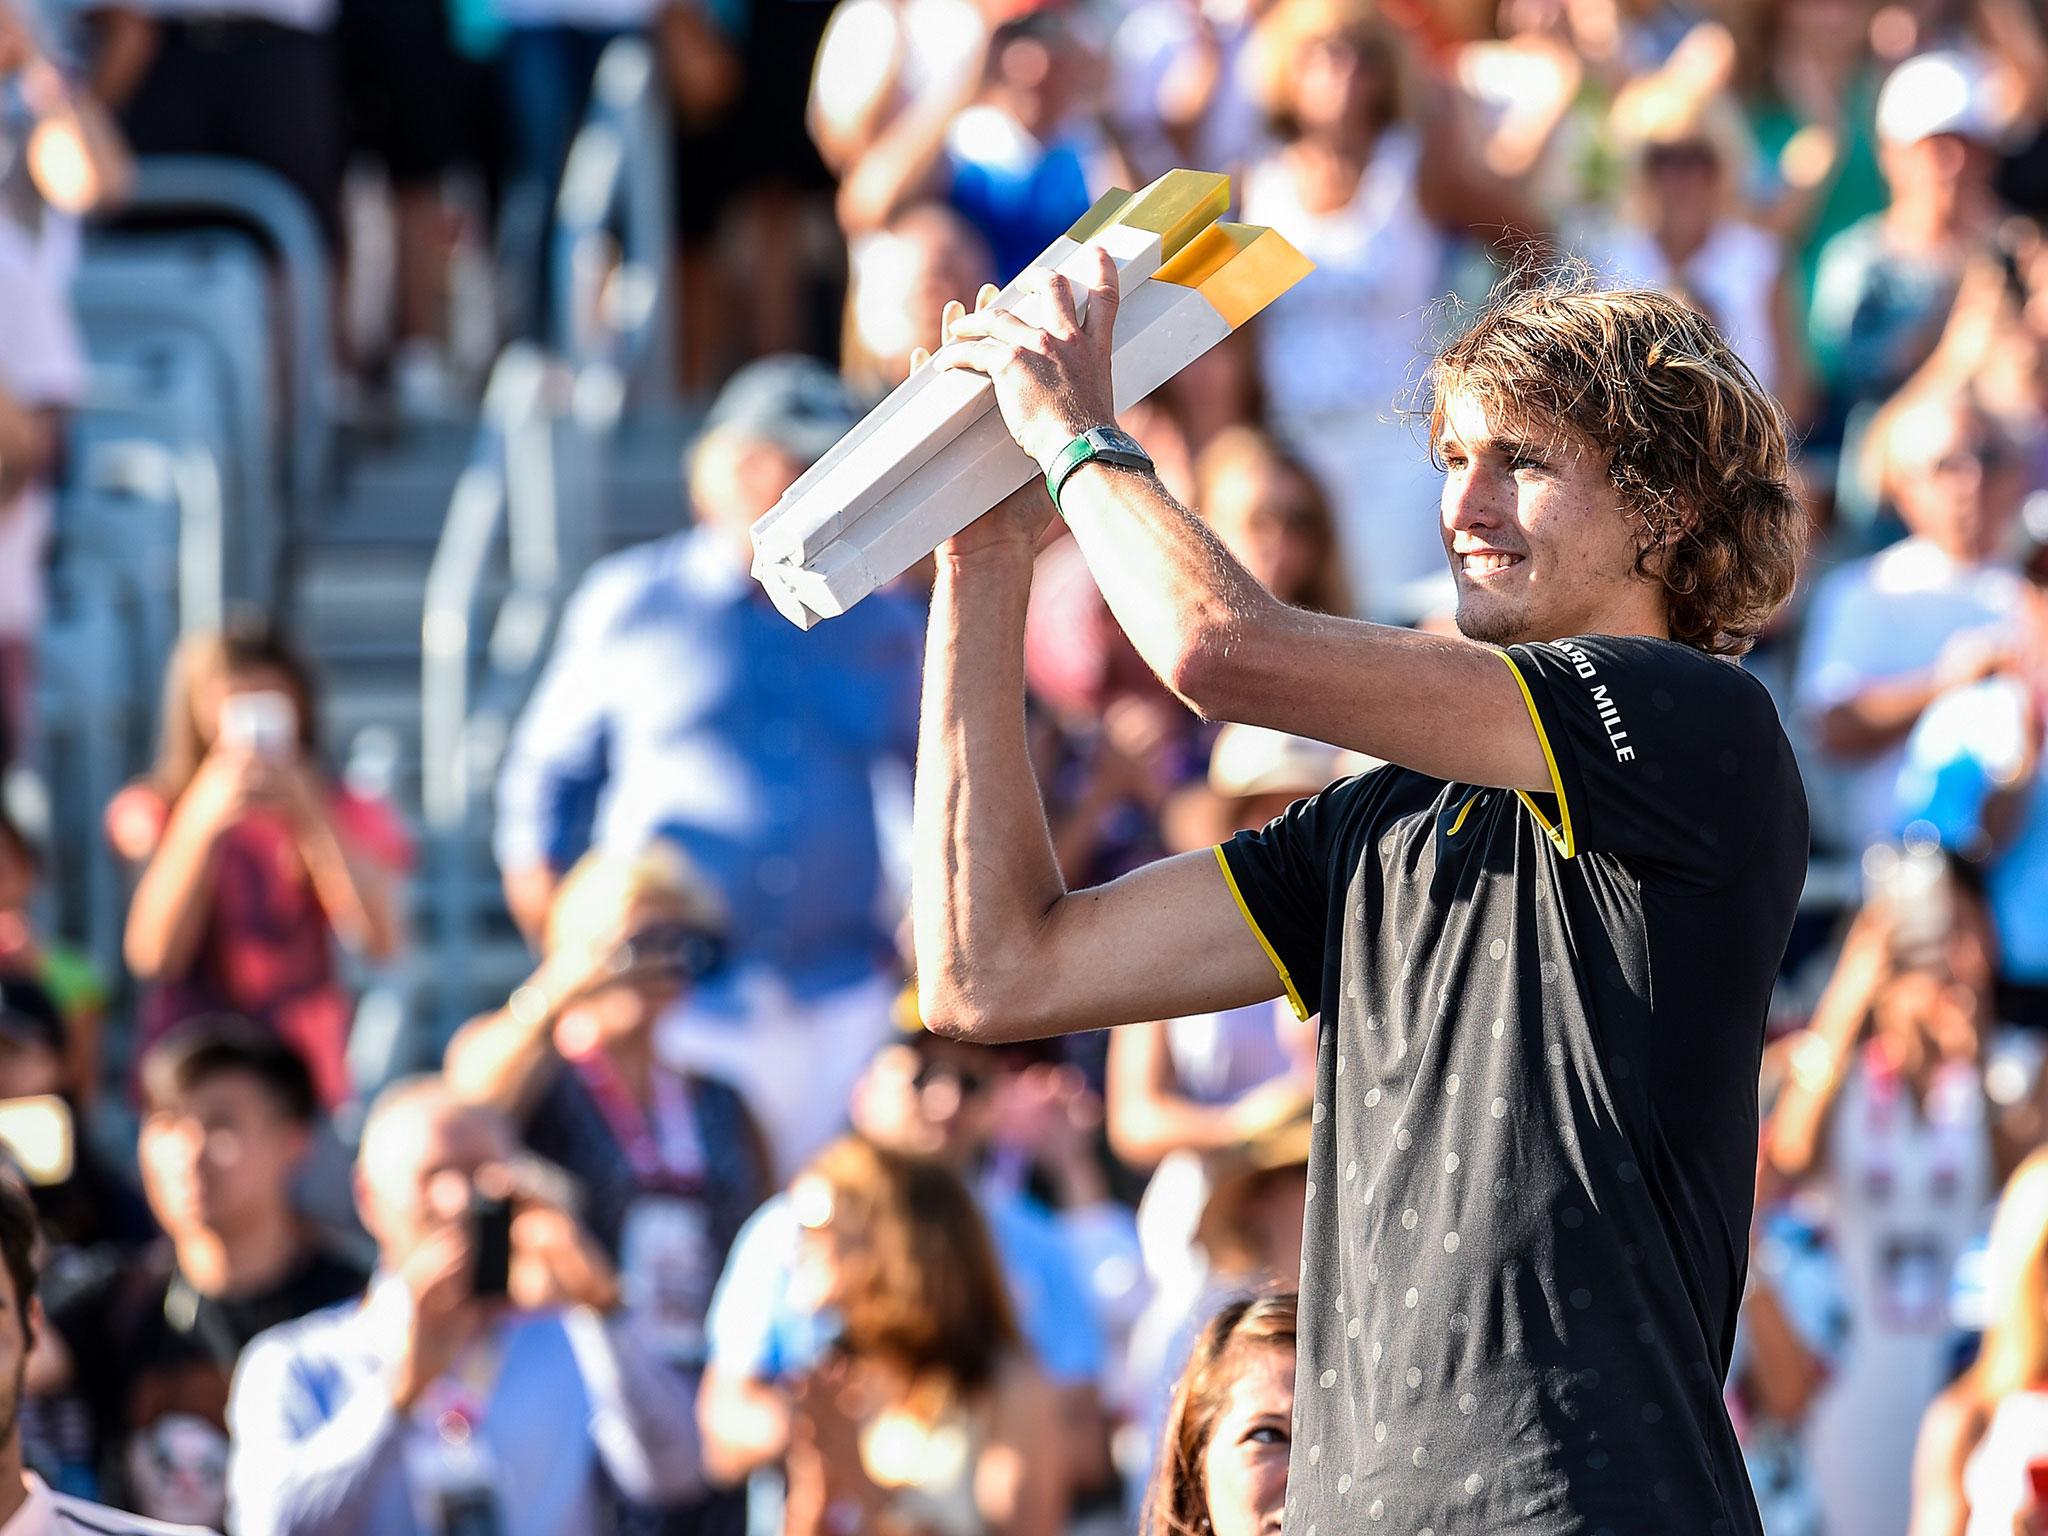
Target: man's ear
[(366, 1203), (1657, 537)]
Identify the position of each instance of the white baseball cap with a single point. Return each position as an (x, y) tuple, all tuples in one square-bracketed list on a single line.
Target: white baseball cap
[(1934, 93)]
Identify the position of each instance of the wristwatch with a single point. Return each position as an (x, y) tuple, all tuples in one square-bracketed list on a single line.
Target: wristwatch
[(1109, 445)]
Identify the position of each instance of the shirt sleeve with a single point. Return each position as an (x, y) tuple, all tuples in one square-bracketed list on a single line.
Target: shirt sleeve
[(559, 757), (751, 1294), (643, 1417), (1836, 657), (1657, 753), (302, 1461), (79, 1310), (1279, 877)]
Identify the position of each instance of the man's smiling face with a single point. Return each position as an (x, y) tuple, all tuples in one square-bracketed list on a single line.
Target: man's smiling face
[(1539, 541)]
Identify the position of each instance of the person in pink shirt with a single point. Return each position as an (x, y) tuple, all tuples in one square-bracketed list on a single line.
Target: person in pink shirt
[(252, 862)]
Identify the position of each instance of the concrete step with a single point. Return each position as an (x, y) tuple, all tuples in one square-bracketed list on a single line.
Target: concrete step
[(398, 490)]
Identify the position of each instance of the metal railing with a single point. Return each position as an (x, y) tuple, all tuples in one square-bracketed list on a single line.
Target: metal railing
[(522, 526), (612, 244), (528, 510), (244, 193)]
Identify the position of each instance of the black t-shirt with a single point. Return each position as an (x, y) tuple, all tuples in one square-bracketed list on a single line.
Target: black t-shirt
[(144, 1343), (1535, 1149)]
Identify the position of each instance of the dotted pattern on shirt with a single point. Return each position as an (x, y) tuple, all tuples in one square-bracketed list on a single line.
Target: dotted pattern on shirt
[(1509, 1322)]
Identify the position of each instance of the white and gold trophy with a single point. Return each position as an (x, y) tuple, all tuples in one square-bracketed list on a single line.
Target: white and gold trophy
[(935, 454)]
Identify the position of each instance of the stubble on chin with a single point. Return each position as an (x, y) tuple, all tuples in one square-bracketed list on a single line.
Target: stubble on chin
[(1487, 620)]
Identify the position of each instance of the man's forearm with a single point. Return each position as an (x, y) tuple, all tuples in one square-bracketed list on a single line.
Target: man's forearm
[(1171, 585), (984, 871), (1233, 651)]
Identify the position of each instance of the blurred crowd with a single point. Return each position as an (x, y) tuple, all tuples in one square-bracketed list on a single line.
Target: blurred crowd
[(697, 1230)]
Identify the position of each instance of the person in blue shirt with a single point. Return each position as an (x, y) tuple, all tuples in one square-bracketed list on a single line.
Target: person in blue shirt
[(1973, 772), (679, 704)]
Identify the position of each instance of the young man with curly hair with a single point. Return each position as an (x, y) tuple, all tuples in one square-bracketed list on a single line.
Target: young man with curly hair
[(1541, 942)]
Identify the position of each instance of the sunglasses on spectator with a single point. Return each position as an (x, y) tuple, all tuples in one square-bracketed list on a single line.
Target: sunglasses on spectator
[(1681, 157), (968, 1081), (1985, 458), (676, 950), (1358, 46)]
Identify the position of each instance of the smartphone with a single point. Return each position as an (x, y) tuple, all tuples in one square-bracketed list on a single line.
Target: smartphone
[(490, 1230), (265, 723), (1914, 881), (36, 1135)]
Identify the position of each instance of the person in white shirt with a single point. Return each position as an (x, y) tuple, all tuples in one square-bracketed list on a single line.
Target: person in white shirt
[(1890, 634), (451, 1400), (27, 1505), (1372, 177), (1684, 228)]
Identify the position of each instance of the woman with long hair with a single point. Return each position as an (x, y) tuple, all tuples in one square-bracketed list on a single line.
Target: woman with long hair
[(1223, 1458), (1684, 224), (252, 861), (927, 1417), (1371, 176), (1983, 1438)]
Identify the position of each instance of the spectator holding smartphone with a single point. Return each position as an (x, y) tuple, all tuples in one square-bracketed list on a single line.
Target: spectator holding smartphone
[(252, 863), (487, 1380), (1889, 1121), (571, 1060), (669, 1164), (1974, 770)]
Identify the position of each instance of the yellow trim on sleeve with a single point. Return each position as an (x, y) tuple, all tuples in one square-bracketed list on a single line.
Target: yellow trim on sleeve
[(1560, 835), (1294, 1001)]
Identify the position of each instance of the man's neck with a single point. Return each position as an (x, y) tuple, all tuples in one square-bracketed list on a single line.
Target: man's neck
[(251, 1258), (1680, 243), (632, 1057), (1643, 616)]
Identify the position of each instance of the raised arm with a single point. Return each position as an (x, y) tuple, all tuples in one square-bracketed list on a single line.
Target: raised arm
[(1004, 950), (1203, 623)]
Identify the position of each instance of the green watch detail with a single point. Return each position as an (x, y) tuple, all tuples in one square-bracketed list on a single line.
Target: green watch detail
[(1108, 445)]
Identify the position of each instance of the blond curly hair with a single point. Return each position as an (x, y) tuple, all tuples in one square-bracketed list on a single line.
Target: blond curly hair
[(1696, 447)]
